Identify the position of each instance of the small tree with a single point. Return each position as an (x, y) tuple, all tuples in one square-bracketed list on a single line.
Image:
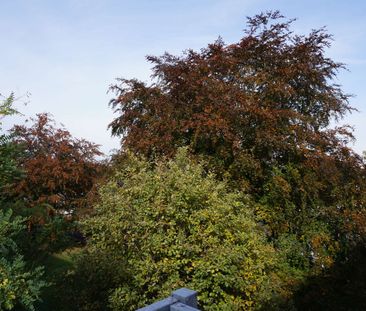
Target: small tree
[(60, 169)]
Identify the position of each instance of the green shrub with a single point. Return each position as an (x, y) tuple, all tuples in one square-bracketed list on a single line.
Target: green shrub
[(173, 225), (19, 285)]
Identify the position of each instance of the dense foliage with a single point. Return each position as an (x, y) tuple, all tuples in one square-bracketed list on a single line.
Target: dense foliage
[(59, 172), (230, 180), (175, 225), (268, 99), (9, 170), (44, 173), (20, 283), (60, 169), (259, 112)]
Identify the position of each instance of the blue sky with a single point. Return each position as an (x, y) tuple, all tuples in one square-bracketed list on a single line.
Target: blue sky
[(67, 53)]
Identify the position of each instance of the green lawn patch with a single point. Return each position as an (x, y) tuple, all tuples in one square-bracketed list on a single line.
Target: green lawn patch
[(56, 267)]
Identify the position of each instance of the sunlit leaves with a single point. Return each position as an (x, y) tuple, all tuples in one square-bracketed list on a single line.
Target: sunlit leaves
[(174, 225)]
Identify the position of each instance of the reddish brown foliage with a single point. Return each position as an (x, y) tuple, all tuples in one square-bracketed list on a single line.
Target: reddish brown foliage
[(259, 111), (263, 102), (60, 170), (270, 94)]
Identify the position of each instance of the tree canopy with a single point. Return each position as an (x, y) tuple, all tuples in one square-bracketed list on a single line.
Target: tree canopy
[(250, 108), (270, 96)]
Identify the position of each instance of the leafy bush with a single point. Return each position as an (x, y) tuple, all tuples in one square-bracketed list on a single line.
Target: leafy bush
[(160, 227), (19, 285)]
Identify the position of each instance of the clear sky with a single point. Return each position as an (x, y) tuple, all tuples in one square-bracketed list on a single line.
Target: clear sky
[(66, 53)]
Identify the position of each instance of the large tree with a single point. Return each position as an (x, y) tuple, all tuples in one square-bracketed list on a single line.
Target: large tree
[(271, 95), (261, 112), (257, 109)]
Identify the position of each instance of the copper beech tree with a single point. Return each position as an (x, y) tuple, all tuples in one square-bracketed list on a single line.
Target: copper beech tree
[(271, 96), (249, 107), (260, 111), (59, 169)]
